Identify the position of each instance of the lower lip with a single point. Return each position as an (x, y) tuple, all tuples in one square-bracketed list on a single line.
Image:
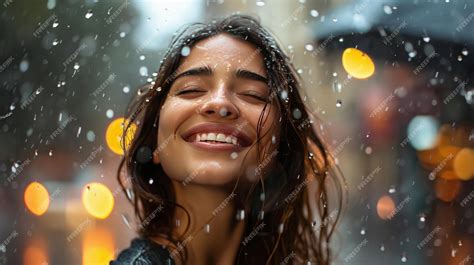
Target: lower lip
[(216, 146)]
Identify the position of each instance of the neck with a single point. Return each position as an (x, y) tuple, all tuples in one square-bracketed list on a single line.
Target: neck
[(214, 233)]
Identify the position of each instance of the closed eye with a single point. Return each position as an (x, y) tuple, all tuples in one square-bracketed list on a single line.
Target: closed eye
[(187, 91), (256, 96)]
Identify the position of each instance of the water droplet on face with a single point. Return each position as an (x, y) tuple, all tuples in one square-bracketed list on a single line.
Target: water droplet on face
[(88, 14), (185, 51), (234, 155), (314, 13), (273, 139), (177, 222), (338, 103), (207, 228), (223, 112)]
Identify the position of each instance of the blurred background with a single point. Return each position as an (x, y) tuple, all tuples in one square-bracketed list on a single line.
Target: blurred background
[(392, 82)]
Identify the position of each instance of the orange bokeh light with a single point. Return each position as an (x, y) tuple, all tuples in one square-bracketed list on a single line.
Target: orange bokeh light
[(36, 198)]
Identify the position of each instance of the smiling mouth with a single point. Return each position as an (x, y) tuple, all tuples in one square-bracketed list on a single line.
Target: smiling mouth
[(217, 139)]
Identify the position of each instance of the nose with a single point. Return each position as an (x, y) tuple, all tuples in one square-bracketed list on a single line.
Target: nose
[(219, 105)]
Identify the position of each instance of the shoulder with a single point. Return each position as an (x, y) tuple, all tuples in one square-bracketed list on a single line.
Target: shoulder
[(143, 251)]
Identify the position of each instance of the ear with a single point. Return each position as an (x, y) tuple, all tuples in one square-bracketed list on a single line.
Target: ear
[(156, 157)]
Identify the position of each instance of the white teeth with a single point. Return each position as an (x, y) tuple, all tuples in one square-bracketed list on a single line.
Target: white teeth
[(219, 137), (211, 136)]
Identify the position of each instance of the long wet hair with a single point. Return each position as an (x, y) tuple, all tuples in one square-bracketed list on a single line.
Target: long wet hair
[(286, 222)]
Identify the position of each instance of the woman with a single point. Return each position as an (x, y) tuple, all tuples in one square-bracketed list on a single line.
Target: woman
[(237, 174)]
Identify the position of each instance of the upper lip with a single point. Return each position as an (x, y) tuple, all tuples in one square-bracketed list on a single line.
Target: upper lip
[(242, 138)]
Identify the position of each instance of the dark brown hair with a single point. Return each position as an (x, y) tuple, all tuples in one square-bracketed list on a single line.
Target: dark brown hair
[(290, 233)]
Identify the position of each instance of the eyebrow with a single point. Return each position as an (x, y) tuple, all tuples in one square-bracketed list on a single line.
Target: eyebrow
[(207, 71)]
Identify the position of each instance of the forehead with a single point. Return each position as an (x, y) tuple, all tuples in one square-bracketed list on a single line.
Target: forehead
[(225, 49)]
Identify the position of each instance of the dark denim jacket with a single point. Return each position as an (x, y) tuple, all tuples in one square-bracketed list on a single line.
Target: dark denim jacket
[(143, 251)]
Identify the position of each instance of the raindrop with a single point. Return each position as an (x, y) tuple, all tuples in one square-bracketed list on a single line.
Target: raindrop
[(261, 215), (78, 132), (338, 103), (336, 87), (185, 51), (392, 190), (109, 113), (299, 71), (281, 227), (297, 113), (76, 66), (142, 57), (129, 194), (88, 14), (55, 24), (126, 221), (143, 71), (122, 34), (465, 52), (240, 215), (309, 47), (314, 13), (426, 39), (150, 181), (459, 58), (368, 150), (283, 95), (382, 248), (262, 196), (404, 259), (178, 222), (387, 9), (126, 89), (50, 152), (55, 42), (207, 228), (422, 218), (90, 135), (334, 19), (24, 65), (260, 3), (273, 139), (234, 155)]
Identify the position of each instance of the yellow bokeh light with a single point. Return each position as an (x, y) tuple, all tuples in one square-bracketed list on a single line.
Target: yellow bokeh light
[(385, 207), (98, 200), (357, 63), (36, 198), (98, 246), (114, 133), (463, 164)]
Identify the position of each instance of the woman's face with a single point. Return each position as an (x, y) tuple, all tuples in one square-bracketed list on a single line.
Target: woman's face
[(208, 122)]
